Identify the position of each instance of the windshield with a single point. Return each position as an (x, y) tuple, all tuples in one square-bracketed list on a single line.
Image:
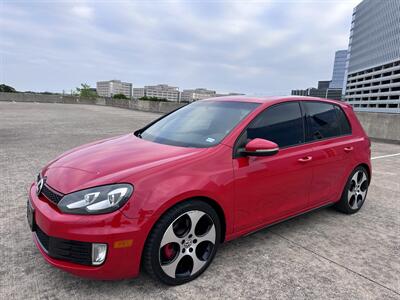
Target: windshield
[(200, 124)]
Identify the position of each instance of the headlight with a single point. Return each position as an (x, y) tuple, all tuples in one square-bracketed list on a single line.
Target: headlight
[(97, 200)]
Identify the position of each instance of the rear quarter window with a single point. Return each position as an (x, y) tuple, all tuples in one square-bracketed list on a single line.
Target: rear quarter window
[(343, 121)]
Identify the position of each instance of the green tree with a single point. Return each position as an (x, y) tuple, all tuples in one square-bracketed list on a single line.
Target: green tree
[(7, 89), (153, 99), (120, 96), (85, 91)]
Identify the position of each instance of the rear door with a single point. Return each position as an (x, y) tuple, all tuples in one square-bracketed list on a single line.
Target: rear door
[(329, 133)]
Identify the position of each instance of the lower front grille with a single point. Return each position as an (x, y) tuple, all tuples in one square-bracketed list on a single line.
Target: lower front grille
[(43, 238), (67, 250)]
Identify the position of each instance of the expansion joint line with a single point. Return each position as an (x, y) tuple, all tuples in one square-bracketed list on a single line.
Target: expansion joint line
[(334, 262)]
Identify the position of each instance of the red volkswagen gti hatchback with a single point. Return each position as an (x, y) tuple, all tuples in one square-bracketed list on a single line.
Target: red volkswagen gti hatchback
[(167, 195)]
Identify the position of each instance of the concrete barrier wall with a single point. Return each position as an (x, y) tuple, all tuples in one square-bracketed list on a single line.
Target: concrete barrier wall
[(154, 106), (379, 126), (25, 97), (150, 106)]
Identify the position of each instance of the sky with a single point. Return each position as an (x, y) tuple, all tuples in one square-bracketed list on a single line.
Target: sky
[(253, 47)]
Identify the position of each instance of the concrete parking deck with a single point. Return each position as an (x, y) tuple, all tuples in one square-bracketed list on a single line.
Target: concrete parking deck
[(320, 255)]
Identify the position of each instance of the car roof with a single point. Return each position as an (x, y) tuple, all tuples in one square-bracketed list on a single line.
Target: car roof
[(271, 99)]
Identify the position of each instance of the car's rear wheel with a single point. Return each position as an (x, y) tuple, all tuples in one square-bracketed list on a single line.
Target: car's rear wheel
[(183, 243), (355, 191)]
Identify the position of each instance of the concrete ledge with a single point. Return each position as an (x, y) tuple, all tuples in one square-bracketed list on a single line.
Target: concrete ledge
[(378, 140), (379, 126), (150, 106)]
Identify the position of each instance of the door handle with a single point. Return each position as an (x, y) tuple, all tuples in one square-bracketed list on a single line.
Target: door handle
[(305, 159), (348, 149)]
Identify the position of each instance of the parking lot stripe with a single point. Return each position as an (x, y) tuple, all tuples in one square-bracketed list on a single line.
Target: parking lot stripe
[(384, 156)]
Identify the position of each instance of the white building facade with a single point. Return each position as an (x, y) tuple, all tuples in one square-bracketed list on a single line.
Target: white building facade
[(373, 62), (138, 93), (113, 87), (196, 94), (160, 91)]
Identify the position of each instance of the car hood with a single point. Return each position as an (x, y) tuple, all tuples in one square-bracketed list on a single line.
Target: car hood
[(109, 161)]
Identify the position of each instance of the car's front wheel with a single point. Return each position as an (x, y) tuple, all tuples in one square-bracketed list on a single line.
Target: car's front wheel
[(182, 243)]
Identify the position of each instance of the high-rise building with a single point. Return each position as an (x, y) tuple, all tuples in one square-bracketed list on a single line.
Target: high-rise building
[(339, 68), (113, 87), (196, 94), (331, 89), (373, 62)]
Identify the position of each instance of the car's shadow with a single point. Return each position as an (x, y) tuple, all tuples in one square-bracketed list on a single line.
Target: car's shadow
[(241, 248)]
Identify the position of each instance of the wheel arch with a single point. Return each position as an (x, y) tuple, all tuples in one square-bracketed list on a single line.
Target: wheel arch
[(367, 168), (213, 203), (218, 209)]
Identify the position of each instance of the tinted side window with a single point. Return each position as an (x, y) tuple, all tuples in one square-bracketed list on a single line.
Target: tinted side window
[(343, 121), (282, 124), (322, 120)]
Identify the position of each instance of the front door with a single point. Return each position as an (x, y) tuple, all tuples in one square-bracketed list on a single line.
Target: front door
[(273, 187)]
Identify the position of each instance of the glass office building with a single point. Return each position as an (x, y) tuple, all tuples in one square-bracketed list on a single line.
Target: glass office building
[(373, 59), (339, 68)]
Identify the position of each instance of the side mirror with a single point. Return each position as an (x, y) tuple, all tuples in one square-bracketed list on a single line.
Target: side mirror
[(260, 147)]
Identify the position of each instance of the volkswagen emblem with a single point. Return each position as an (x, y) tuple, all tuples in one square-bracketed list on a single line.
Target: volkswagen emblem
[(39, 186)]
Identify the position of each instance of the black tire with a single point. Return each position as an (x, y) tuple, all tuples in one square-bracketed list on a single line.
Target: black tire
[(179, 214), (351, 204)]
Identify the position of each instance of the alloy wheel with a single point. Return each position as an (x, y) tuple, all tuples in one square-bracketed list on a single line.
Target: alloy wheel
[(187, 244), (357, 189)]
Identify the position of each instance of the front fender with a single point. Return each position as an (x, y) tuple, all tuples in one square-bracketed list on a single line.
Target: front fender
[(208, 177)]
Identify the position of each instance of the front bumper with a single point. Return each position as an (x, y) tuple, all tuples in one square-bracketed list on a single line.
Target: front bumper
[(124, 238)]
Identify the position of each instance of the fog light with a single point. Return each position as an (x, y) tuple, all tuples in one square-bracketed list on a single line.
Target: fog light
[(99, 252)]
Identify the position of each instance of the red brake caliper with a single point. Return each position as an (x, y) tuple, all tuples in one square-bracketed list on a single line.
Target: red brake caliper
[(169, 251)]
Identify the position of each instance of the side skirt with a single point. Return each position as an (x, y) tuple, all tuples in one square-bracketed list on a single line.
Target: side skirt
[(263, 226)]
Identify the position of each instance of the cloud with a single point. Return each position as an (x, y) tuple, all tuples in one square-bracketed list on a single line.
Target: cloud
[(82, 11), (260, 47)]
